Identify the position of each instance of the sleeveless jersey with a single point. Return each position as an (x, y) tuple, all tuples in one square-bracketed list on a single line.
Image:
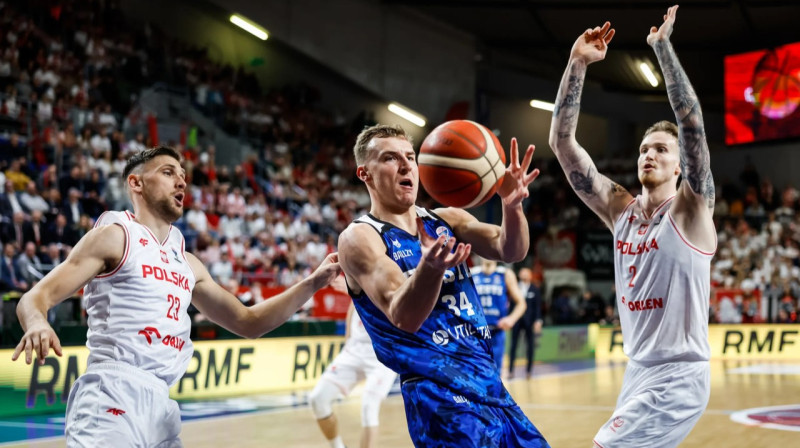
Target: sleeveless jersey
[(663, 285), (452, 346), (492, 291), (137, 312)]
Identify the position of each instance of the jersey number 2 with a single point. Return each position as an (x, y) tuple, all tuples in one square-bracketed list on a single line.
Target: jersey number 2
[(632, 270)]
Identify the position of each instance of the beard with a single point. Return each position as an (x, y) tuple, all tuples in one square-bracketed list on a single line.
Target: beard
[(164, 207)]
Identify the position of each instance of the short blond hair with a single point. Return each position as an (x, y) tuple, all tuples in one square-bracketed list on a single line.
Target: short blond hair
[(663, 126), (377, 131)]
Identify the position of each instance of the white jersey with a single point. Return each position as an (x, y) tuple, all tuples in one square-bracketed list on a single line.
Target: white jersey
[(663, 285), (359, 342), (137, 312)]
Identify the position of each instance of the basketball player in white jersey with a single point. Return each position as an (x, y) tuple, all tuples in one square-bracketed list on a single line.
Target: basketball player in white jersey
[(357, 361), (138, 284), (664, 241)]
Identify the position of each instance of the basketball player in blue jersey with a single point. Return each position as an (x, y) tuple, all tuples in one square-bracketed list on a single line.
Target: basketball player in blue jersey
[(404, 267), (495, 284)]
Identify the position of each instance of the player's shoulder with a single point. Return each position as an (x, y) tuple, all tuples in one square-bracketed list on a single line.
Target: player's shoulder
[(360, 237)]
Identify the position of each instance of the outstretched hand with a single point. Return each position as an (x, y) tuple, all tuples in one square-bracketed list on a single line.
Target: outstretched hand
[(517, 178), (592, 45), (662, 33), (36, 342), (438, 253)]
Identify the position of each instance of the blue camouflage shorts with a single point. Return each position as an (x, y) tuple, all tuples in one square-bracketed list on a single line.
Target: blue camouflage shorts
[(438, 417)]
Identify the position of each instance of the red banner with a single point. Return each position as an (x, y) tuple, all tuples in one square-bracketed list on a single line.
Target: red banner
[(330, 303)]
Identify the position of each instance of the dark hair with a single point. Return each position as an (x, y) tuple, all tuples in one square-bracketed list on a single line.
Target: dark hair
[(142, 157), (377, 131)]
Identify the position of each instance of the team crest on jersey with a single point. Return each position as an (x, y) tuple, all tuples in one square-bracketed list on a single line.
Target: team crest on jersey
[(643, 229), (396, 244), (164, 257)]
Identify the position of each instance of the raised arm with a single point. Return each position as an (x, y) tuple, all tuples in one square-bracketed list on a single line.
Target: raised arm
[(100, 250), (698, 184), (508, 242), (406, 301), (223, 308), (604, 197)]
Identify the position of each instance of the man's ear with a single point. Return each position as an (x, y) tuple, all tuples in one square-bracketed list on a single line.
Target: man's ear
[(134, 182), (361, 173)]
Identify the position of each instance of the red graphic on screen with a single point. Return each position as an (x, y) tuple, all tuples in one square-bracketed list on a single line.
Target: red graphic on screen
[(762, 95)]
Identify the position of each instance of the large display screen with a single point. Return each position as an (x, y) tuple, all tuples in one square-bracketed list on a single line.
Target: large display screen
[(762, 95)]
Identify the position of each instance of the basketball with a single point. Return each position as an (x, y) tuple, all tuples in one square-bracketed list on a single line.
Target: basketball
[(461, 164)]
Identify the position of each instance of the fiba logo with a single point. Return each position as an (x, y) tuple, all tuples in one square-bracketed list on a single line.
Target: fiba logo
[(440, 337), (442, 230)]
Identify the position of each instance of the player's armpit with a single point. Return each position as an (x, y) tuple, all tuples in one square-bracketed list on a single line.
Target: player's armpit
[(362, 256), (100, 251)]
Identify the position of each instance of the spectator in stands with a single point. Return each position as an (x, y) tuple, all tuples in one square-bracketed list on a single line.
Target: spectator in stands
[(13, 231), (30, 266), (9, 201), (31, 200), (53, 257), (33, 230), (73, 209), (61, 233), (11, 278), (19, 180)]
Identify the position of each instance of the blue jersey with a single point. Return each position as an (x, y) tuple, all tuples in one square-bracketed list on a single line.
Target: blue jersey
[(452, 347), (493, 293)]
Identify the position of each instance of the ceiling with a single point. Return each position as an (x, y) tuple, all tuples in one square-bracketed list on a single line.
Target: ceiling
[(535, 37)]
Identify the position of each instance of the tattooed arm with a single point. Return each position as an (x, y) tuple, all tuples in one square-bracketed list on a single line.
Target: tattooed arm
[(694, 202), (695, 159), (603, 196)]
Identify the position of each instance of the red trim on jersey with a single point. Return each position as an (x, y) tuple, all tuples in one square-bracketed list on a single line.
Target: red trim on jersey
[(124, 257), (675, 226), (183, 252), (99, 218), (657, 208), (162, 243), (596, 443), (131, 216), (626, 209)]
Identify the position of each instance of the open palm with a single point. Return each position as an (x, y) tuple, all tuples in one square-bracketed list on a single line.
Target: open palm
[(665, 30), (592, 45)]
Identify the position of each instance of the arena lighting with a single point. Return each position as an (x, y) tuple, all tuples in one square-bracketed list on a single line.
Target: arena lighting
[(651, 77), (407, 114), (251, 28), (544, 105)]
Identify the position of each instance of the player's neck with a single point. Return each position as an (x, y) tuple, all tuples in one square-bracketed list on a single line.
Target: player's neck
[(156, 224), (403, 219), (653, 197)]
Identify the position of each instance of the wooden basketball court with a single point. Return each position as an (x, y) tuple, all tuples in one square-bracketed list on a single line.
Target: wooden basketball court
[(567, 406)]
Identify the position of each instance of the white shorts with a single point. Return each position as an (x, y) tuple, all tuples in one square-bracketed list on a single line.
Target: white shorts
[(116, 404), (349, 368), (658, 406)]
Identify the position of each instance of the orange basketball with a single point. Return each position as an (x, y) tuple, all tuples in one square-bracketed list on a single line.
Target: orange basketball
[(461, 164)]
